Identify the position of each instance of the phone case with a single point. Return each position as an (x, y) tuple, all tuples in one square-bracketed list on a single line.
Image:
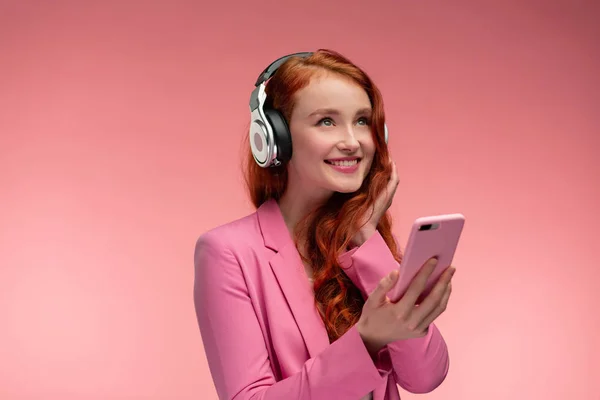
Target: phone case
[(434, 236)]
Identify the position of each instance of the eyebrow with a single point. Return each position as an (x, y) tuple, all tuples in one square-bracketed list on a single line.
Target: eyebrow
[(333, 111)]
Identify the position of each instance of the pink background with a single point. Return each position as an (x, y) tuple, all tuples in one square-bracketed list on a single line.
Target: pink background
[(121, 125)]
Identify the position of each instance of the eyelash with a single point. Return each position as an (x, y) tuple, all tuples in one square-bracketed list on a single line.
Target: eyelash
[(367, 121)]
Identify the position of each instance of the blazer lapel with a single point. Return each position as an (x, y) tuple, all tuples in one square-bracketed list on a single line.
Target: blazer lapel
[(289, 271)]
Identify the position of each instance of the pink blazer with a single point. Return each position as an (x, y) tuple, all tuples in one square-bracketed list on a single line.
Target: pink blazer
[(263, 337)]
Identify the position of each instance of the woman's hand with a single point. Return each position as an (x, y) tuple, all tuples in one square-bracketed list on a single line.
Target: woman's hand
[(384, 322), (383, 202)]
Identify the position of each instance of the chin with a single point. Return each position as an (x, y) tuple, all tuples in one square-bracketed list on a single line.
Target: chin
[(349, 191), (335, 184), (349, 188), (342, 183)]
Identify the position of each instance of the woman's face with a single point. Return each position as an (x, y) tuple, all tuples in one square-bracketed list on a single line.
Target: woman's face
[(333, 146)]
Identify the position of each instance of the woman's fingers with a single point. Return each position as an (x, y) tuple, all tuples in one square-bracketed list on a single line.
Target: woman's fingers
[(393, 183), (378, 295), (394, 176), (432, 301), (428, 320), (417, 285)]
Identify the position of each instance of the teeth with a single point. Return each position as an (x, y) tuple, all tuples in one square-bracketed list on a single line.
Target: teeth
[(344, 163)]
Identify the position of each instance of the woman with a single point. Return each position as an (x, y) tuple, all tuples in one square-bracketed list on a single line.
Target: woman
[(291, 300)]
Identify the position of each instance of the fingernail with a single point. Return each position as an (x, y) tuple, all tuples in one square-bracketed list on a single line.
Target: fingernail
[(433, 261), (452, 272)]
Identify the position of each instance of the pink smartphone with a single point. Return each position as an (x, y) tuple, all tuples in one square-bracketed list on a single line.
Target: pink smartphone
[(434, 236)]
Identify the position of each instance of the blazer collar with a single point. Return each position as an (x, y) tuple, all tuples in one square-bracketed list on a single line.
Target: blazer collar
[(291, 276), (272, 225)]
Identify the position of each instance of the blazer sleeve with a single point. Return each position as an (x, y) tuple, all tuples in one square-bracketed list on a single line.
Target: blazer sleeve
[(419, 365), (237, 351)]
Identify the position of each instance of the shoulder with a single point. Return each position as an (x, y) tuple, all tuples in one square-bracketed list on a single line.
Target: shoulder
[(230, 238), (219, 256)]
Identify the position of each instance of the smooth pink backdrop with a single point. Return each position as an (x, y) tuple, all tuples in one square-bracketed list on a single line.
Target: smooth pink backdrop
[(120, 130)]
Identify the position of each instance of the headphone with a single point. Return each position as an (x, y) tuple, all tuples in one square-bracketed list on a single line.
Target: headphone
[(270, 138)]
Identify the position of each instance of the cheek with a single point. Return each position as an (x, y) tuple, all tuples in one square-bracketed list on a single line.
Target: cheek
[(312, 151), (369, 149), (307, 157)]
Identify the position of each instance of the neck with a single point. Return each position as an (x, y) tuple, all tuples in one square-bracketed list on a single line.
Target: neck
[(294, 208), (296, 202)]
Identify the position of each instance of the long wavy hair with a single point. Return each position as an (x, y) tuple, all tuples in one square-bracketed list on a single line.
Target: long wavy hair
[(327, 230)]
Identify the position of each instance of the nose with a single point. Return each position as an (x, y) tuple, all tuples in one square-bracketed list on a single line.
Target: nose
[(349, 143)]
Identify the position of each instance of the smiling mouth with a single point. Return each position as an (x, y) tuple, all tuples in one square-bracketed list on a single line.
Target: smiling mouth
[(343, 163)]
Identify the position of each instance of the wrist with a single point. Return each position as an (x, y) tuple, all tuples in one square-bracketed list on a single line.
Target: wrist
[(362, 236), (373, 349), (372, 346)]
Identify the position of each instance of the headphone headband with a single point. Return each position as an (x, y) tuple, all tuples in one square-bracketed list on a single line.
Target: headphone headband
[(267, 73), (270, 70)]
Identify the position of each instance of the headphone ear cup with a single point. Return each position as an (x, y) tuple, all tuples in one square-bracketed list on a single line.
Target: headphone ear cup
[(281, 132), (385, 132)]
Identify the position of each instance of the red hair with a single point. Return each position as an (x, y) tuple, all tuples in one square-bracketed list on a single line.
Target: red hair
[(328, 229)]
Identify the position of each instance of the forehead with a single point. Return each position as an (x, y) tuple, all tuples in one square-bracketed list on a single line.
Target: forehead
[(331, 91)]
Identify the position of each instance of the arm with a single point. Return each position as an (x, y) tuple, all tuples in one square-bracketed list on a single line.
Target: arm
[(237, 352), (419, 365)]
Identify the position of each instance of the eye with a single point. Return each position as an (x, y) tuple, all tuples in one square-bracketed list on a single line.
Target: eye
[(365, 121), (324, 120)]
